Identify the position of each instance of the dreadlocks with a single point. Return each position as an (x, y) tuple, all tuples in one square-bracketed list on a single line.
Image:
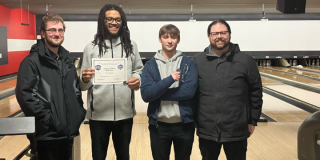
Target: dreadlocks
[(124, 32)]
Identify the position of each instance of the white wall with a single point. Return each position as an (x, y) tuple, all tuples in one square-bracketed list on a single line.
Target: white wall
[(250, 35)]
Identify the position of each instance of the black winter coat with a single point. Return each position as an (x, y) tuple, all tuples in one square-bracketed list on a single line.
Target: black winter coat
[(50, 94), (229, 95)]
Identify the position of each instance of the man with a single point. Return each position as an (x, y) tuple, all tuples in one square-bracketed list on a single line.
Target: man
[(168, 83), (48, 89), (111, 106), (229, 96)]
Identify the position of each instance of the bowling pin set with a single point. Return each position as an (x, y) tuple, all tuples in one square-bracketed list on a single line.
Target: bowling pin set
[(263, 63)]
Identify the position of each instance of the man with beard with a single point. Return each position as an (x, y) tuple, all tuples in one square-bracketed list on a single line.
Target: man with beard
[(48, 89), (168, 83), (111, 106), (229, 96)]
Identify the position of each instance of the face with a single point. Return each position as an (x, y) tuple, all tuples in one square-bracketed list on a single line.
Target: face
[(111, 24), (168, 42), (54, 34), (219, 41)]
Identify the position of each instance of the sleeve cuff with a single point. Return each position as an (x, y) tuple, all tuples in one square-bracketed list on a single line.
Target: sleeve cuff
[(253, 122)]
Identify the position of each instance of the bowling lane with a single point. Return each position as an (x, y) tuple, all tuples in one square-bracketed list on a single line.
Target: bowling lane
[(304, 95), (315, 68), (296, 71), (8, 84), (291, 77), (9, 106), (282, 111)]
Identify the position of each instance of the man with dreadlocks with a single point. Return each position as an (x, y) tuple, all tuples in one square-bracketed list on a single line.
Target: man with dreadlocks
[(111, 107)]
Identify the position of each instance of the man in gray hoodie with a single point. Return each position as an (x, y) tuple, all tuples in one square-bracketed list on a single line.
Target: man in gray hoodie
[(168, 83), (111, 106)]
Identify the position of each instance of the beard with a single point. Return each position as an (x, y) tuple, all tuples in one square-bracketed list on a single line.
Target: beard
[(226, 44), (112, 35), (51, 43)]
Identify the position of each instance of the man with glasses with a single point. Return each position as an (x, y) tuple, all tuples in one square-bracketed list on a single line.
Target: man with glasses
[(229, 96), (48, 89), (111, 106)]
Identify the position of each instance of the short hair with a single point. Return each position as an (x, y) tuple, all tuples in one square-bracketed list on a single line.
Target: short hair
[(170, 29), (221, 21), (51, 17)]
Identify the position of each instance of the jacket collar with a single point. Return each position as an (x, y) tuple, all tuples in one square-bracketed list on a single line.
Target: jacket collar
[(115, 42), (44, 52)]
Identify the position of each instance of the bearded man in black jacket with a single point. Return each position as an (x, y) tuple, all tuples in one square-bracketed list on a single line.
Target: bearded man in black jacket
[(229, 96), (48, 89)]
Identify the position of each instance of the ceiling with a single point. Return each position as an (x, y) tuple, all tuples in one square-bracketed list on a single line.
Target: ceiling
[(155, 6)]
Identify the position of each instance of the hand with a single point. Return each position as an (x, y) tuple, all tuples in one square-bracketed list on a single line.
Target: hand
[(133, 83), (251, 128), (87, 74), (176, 76)]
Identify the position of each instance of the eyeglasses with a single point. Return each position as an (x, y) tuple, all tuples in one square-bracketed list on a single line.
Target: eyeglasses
[(110, 20), (215, 34), (53, 30)]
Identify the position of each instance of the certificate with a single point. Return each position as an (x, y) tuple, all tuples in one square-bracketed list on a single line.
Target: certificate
[(109, 70)]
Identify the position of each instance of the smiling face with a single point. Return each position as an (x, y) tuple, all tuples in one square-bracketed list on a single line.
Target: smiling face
[(112, 26), (53, 34), (219, 41)]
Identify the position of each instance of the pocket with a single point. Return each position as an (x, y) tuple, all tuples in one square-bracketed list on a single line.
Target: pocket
[(234, 120), (54, 121), (242, 121)]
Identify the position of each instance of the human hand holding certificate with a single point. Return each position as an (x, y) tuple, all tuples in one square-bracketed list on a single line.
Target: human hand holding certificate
[(109, 71)]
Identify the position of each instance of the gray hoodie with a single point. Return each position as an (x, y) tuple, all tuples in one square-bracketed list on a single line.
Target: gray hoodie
[(169, 110), (110, 102)]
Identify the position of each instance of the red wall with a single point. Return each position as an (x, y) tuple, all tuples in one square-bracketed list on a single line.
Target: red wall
[(11, 18)]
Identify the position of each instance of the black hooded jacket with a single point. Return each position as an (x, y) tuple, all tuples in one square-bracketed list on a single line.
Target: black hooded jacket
[(50, 93), (229, 95)]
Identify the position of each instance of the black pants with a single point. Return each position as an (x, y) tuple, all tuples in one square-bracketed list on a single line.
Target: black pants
[(55, 149), (180, 134), (210, 150), (121, 136), (33, 143)]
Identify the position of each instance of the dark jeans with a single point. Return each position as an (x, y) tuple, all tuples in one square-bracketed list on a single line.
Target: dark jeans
[(210, 150), (55, 149), (180, 134), (121, 136)]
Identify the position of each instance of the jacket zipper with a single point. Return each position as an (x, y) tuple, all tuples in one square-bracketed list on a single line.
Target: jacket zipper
[(65, 106), (114, 90)]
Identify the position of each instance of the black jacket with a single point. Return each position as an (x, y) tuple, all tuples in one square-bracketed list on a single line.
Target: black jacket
[(229, 95), (50, 94)]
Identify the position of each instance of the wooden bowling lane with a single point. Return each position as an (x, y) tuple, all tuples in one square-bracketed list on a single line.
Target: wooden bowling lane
[(315, 68), (273, 140), (296, 71), (270, 141), (291, 77), (8, 106), (8, 84), (304, 95), (11, 146), (282, 111)]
